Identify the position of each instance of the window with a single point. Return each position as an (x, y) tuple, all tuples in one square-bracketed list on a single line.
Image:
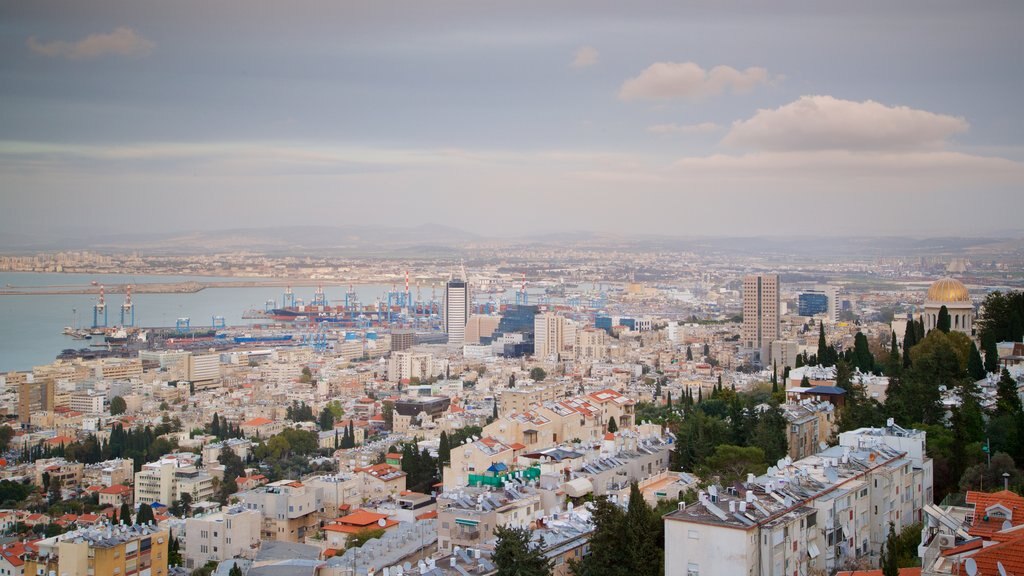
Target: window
[(693, 535), (693, 569)]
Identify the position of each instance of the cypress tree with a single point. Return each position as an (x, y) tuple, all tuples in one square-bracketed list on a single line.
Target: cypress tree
[(126, 513), (444, 450), (944, 322), (668, 403), (991, 353), (612, 426), (822, 345), (909, 340), (975, 366)]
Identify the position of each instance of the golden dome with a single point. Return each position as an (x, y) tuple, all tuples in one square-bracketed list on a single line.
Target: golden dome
[(948, 290)]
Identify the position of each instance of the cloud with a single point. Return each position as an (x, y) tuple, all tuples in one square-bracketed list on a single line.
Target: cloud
[(828, 123), (670, 80), (703, 127), (585, 57), (121, 42)]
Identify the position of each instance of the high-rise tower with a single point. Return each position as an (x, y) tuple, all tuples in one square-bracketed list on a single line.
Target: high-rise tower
[(761, 314), (456, 310)]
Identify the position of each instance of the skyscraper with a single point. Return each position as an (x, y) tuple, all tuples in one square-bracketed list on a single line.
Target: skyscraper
[(456, 310), (549, 334), (760, 314)]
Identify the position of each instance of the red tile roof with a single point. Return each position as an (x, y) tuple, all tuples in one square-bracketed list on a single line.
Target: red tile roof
[(257, 422), (985, 526)]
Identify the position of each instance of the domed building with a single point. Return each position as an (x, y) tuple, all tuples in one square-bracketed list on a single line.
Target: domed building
[(953, 295)]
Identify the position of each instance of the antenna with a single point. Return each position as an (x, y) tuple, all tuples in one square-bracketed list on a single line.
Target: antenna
[(1002, 571)]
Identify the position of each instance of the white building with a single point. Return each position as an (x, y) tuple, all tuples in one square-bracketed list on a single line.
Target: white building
[(234, 532), (456, 310), (815, 514), (166, 480), (88, 402)]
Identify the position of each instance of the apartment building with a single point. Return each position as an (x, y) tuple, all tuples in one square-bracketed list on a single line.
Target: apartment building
[(290, 509), (475, 458), (167, 479), (233, 532), (815, 514), (468, 516), (139, 549), (109, 473), (809, 424), (521, 398)]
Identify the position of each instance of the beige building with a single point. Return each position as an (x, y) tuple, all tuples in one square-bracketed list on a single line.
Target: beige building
[(549, 335), (480, 326), (115, 550), (404, 366), (474, 458), (167, 479), (760, 314), (520, 399), (119, 369), (809, 424), (591, 344), (234, 532), (290, 509)]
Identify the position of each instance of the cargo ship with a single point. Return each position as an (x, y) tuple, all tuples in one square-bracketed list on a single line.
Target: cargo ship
[(248, 338)]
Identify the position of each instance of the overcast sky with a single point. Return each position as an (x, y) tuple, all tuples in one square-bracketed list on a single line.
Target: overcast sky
[(703, 118)]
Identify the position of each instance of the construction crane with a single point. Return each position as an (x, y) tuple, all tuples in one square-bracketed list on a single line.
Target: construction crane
[(99, 311), (128, 309)]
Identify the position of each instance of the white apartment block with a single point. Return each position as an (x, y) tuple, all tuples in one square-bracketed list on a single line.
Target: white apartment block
[(234, 532), (817, 514), (166, 480), (88, 402)]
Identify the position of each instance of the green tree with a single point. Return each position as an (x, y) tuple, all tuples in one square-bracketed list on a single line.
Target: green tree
[(689, 354), (388, 412), (733, 463), (643, 536), (326, 420), (363, 536), (307, 375), (145, 514), (612, 426), (118, 406), (991, 353), (1007, 398), (538, 374), (174, 552), (822, 345), (975, 365), (606, 543), (863, 360), (126, 513), (236, 570), (944, 322), (515, 554), (444, 449), (889, 561)]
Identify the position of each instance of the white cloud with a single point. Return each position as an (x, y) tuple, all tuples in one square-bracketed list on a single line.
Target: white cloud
[(122, 42), (669, 80), (828, 123), (586, 56), (702, 127)]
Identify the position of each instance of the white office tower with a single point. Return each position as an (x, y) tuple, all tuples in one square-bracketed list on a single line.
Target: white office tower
[(761, 314), (456, 310), (548, 334)]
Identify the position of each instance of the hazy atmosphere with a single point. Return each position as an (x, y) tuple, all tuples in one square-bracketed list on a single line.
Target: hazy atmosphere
[(689, 118)]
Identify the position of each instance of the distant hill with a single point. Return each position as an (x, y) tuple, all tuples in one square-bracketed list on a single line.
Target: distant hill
[(427, 240)]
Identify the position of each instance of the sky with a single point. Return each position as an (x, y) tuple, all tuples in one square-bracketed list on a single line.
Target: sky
[(722, 118)]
